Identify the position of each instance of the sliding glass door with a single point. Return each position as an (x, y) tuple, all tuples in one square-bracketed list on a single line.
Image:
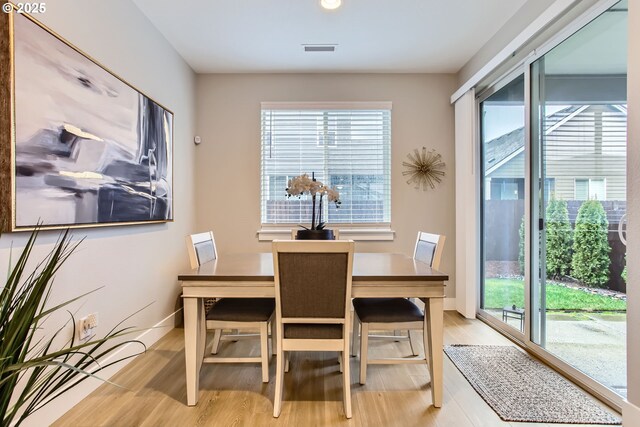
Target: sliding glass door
[(503, 203), (553, 147), (579, 120)]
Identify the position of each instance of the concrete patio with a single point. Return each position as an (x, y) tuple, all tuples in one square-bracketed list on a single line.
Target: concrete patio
[(594, 343)]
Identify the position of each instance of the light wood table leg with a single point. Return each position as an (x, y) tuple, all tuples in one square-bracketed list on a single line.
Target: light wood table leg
[(434, 326), (202, 332), (355, 337), (193, 346)]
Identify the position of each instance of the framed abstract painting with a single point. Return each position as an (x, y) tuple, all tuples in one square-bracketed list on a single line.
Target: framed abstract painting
[(79, 147)]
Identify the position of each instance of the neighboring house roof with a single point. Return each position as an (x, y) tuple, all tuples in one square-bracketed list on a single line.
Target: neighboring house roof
[(501, 150)]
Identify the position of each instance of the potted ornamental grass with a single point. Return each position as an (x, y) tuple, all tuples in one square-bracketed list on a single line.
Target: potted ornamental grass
[(304, 185), (36, 369)]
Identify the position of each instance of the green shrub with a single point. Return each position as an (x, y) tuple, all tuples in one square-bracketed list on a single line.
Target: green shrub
[(590, 263), (624, 272), (559, 239), (521, 247)]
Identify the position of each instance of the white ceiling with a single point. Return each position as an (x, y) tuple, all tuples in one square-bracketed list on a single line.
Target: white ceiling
[(435, 36)]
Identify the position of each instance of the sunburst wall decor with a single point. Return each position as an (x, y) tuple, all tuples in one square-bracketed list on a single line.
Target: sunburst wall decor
[(424, 168)]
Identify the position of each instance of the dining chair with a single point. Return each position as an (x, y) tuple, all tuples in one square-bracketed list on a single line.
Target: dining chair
[(232, 313), (384, 314), (428, 249), (313, 294), (201, 248)]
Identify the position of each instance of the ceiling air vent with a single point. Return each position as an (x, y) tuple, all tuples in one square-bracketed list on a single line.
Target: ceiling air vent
[(319, 47)]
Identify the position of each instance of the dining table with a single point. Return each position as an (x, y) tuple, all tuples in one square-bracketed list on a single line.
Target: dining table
[(250, 275)]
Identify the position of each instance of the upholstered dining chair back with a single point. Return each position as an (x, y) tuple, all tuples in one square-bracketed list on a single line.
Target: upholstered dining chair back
[(313, 284), (201, 248), (429, 249)]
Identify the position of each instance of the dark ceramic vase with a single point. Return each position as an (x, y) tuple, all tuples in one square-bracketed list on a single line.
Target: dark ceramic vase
[(315, 235)]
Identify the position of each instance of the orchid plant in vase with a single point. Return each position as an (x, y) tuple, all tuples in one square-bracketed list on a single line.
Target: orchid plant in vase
[(301, 185)]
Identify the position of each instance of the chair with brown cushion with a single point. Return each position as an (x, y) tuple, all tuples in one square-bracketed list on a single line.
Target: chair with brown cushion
[(313, 294), (428, 249), (395, 313), (232, 313)]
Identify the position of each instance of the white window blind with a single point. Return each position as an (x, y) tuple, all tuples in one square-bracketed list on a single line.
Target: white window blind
[(582, 189), (346, 148), (597, 189)]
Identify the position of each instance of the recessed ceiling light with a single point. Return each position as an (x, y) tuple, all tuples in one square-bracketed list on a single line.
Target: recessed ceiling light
[(331, 4)]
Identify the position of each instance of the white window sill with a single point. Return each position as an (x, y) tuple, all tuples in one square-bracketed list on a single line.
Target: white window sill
[(349, 232)]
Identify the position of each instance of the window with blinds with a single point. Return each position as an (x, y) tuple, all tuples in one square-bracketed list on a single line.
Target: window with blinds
[(584, 150), (347, 147), (590, 189)]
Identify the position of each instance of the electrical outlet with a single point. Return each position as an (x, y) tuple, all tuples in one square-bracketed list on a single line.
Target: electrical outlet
[(87, 326)]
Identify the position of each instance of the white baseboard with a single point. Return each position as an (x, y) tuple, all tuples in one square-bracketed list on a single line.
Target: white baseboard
[(71, 398), (630, 414), (147, 336), (449, 304)]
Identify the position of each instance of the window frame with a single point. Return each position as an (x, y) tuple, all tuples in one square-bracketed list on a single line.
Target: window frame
[(589, 180), (355, 231)]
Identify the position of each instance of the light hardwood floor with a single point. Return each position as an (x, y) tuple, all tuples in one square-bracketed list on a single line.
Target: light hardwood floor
[(154, 392)]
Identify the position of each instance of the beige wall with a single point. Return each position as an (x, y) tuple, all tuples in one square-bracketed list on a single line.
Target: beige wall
[(228, 160), (136, 265), (633, 207)]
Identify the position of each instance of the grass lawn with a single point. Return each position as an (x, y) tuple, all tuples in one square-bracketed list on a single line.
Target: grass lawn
[(500, 293)]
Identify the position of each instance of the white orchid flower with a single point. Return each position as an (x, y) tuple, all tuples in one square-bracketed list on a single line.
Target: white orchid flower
[(304, 185), (332, 194)]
